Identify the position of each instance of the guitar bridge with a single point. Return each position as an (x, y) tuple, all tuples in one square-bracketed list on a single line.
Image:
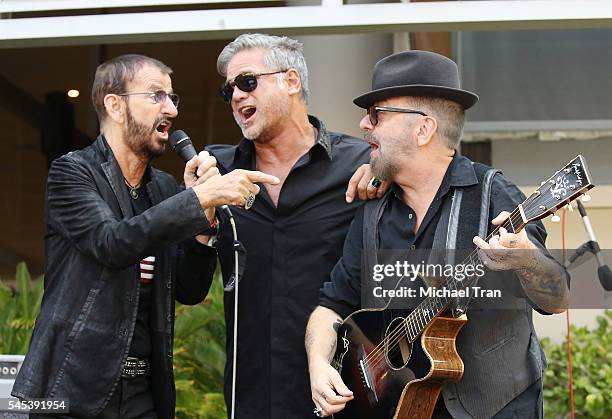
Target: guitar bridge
[(367, 379)]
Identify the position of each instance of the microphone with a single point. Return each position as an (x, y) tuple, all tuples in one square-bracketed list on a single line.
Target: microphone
[(181, 143), (603, 271)]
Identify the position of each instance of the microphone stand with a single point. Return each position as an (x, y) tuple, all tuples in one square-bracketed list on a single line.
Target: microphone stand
[(591, 246)]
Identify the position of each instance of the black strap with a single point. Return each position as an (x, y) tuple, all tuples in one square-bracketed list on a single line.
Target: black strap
[(460, 305), (372, 213)]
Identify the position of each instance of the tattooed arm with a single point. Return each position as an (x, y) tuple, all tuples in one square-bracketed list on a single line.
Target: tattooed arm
[(328, 391), (545, 282)]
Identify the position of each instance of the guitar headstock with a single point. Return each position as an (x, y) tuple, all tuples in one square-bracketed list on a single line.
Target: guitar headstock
[(563, 187)]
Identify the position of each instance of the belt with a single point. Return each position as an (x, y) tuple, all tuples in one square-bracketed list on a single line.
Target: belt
[(135, 367)]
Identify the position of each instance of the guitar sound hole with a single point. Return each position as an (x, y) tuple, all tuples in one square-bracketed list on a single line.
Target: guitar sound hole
[(397, 346)]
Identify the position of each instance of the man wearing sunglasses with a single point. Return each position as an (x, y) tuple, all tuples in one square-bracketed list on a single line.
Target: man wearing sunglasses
[(123, 240), (439, 200), (293, 234)]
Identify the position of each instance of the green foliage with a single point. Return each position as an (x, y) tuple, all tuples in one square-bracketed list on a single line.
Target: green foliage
[(592, 372), (199, 342), (199, 357), (18, 311)]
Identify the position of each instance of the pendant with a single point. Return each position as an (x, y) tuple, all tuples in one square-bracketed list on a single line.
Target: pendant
[(134, 193)]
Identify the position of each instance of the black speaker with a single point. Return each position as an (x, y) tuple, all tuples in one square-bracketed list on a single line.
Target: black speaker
[(58, 127)]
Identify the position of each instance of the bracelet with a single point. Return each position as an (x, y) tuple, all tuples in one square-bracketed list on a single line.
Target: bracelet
[(212, 230)]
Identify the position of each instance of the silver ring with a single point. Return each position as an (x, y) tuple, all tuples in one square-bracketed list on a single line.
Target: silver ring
[(375, 182), (318, 412), (250, 200)]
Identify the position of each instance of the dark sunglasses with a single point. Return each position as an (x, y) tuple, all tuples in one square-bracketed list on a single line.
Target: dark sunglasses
[(158, 96), (373, 112), (247, 82)]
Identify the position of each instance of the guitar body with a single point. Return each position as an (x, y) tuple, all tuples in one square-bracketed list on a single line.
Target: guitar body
[(392, 378)]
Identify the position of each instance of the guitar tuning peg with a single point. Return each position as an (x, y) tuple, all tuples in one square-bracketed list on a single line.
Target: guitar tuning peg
[(555, 218)]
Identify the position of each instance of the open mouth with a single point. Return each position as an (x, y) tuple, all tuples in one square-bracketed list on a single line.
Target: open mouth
[(374, 145), (246, 113), (163, 127)]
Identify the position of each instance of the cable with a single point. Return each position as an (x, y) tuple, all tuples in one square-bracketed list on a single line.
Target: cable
[(567, 316), (228, 212)]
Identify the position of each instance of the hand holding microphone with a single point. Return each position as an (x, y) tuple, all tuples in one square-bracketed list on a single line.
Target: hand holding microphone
[(213, 190), (199, 169)]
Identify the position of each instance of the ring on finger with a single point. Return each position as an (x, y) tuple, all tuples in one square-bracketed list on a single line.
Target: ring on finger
[(318, 412), (250, 200), (375, 182)]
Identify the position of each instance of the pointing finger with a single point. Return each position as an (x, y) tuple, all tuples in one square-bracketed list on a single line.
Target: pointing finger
[(256, 176)]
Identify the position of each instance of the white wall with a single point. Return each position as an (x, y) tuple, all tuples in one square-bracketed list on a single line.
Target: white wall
[(340, 69)]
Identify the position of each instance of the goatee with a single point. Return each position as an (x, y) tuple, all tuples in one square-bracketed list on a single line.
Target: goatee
[(138, 137)]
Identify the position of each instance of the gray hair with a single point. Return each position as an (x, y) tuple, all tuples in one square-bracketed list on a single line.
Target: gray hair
[(282, 53), (449, 114)]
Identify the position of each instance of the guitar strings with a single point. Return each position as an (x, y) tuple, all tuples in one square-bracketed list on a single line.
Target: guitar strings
[(415, 317), (378, 354), (397, 331)]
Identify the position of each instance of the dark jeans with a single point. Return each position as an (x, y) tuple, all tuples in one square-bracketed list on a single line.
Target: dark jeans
[(527, 405), (132, 400)]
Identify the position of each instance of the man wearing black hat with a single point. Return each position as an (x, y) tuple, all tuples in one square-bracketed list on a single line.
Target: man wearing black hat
[(414, 122)]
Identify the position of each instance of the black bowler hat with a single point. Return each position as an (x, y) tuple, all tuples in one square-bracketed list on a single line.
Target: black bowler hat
[(416, 73)]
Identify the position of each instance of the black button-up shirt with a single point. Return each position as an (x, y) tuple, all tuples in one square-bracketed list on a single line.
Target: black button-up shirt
[(291, 249)]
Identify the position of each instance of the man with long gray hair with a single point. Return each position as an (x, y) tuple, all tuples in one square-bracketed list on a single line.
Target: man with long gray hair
[(293, 233)]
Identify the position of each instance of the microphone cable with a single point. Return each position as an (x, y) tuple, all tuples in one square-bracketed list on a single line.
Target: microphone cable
[(567, 316), (232, 222)]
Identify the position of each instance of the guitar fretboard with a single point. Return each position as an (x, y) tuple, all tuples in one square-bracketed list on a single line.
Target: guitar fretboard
[(431, 307)]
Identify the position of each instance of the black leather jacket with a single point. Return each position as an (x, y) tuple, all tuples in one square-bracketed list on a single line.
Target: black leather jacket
[(93, 247)]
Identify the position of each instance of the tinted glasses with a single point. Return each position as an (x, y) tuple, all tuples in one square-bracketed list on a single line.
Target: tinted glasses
[(158, 96), (373, 112), (247, 82)]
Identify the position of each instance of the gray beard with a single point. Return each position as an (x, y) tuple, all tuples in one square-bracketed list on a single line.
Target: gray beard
[(137, 137), (384, 169)]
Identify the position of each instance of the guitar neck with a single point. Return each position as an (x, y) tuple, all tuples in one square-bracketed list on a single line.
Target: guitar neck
[(431, 307)]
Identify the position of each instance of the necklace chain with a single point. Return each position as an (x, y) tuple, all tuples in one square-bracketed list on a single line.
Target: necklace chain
[(134, 192)]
